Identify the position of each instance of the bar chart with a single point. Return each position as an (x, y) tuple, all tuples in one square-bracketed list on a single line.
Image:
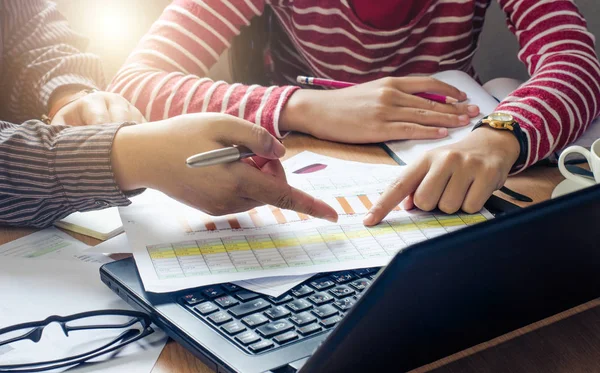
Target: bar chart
[(264, 216)]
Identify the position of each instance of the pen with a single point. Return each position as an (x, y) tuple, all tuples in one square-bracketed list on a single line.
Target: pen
[(219, 156), (308, 80)]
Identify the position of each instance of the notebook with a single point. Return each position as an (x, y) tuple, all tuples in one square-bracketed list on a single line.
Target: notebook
[(101, 224)]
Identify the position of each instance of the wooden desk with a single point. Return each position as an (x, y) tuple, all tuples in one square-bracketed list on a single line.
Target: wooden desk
[(568, 342)]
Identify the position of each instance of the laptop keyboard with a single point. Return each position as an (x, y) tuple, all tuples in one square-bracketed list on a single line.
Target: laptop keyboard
[(257, 323)]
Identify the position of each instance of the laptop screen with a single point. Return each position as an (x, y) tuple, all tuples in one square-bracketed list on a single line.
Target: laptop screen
[(453, 292)]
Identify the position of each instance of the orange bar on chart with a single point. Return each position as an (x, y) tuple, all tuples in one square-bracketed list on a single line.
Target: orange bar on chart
[(345, 205), (184, 224), (366, 201), (303, 216), (233, 222), (278, 215), (255, 218), (210, 225)]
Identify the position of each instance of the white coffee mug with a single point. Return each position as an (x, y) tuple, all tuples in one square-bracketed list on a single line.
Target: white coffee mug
[(593, 158)]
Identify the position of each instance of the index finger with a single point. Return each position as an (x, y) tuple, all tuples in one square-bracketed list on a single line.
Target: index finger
[(404, 185), (269, 190)]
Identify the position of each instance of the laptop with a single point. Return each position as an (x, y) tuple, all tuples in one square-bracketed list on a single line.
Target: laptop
[(433, 299)]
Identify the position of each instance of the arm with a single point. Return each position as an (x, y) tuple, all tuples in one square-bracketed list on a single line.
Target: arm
[(41, 59), (48, 172), (162, 78), (152, 156), (166, 75), (563, 95), (554, 107)]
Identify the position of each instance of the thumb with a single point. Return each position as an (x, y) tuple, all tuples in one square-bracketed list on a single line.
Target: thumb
[(236, 131)]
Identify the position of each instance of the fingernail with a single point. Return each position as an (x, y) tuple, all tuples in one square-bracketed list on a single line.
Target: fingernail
[(463, 95), (443, 132), (369, 219), (278, 149), (331, 218), (464, 119), (473, 109)]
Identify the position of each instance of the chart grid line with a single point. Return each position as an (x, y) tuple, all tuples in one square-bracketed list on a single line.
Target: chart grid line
[(307, 247)]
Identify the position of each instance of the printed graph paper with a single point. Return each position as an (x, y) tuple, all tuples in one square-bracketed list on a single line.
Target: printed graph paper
[(302, 248)]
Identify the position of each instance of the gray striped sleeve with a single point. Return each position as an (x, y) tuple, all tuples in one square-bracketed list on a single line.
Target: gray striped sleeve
[(48, 172), (40, 54)]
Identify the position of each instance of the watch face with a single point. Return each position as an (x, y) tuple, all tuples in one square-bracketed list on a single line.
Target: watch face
[(501, 117)]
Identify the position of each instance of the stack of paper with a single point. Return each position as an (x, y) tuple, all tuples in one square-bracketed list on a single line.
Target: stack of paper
[(101, 224), (49, 273)]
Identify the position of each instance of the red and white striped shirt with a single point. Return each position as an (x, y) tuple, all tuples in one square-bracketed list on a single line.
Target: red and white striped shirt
[(166, 75)]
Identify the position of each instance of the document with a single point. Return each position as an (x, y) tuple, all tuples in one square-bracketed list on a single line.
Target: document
[(32, 290), (272, 286), (50, 243), (115, 245), (177, 247)]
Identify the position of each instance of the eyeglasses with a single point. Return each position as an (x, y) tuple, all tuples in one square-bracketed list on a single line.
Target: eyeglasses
[(104, 331)]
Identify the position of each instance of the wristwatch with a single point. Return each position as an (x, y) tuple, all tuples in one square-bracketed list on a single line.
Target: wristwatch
[(506, 122)]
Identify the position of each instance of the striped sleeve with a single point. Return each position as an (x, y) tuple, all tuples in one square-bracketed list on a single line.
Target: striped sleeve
[(40, 54), (48, 172), (165, 76), (562, 97)]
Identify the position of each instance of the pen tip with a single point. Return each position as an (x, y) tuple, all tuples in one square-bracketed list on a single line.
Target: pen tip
[(302, 79)]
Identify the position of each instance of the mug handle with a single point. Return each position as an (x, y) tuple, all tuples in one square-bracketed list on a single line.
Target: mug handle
[(568, 174)]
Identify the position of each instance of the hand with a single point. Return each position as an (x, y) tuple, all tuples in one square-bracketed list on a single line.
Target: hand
[(97, 108), (381, 110), (462, 175), (153, 156)]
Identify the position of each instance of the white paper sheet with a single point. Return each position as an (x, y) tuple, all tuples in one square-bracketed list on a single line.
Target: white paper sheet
[(273, 286), (175, 248), (50, 243), (410, 150), (32, 290), (115, 245), (337, 165)]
